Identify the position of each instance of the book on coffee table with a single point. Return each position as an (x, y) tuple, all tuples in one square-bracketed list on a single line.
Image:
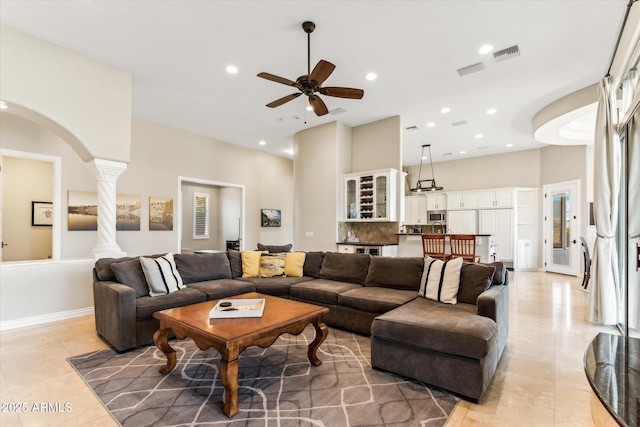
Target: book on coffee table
[(235, 308)]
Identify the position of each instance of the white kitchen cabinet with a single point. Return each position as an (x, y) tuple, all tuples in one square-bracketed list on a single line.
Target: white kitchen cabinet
[(462, 222), (371, 196), (436, 202), (415, 210), (462, 200), (499, 223), (493, 199)]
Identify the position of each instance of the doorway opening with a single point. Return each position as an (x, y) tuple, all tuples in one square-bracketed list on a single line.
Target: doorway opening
[(210, 215), (30, 207)]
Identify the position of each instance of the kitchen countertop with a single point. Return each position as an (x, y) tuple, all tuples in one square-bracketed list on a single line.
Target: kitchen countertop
[(366, 244), (446, 234)]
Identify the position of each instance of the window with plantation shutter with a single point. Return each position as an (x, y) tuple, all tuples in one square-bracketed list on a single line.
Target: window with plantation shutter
[(200, 215)]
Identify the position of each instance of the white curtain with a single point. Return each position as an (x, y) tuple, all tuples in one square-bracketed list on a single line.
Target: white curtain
[(605, 291), (633, 222)]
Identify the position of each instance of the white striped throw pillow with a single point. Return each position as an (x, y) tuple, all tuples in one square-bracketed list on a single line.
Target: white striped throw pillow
[(441, 279), (161, 274)]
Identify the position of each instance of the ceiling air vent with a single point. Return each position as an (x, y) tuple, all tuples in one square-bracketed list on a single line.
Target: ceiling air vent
[(410, 128), (474, 68), (460, 123), (447, 154), (337, 111), (484, 147), (508, 53)]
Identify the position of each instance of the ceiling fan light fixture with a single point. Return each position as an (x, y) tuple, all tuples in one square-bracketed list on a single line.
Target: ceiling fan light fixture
[(419, 188)]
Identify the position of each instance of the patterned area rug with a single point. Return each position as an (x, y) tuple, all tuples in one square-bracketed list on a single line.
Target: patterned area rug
[(278, 387)]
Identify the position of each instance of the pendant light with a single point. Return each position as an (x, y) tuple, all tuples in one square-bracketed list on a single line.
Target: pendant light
[(433, 187)]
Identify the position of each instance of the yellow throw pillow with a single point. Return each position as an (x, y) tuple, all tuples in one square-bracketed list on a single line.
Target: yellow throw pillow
[(251, 263), (294, 264), (271, 265)]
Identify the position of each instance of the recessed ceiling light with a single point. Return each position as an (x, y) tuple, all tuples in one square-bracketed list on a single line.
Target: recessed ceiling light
[(445, 110), (430, 124), (485, 49), (371, 76), (309, 108), (463, 152), (509, 145), (289, 151), (478, 136), (3, 106), (262, 142), (232, 69), (491, 111)]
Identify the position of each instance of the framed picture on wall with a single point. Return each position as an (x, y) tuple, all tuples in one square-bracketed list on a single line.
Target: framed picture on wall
[(41, 214), (271, 218)]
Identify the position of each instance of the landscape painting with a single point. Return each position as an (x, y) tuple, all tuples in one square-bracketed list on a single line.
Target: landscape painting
[(83, 211), (160, 214), (271, 218), (127, 212)]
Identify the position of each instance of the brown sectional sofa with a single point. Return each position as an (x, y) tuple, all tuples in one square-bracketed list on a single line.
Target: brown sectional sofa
[(453, 346)]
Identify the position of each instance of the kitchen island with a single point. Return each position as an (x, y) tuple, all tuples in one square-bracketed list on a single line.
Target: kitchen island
[(411, 245)]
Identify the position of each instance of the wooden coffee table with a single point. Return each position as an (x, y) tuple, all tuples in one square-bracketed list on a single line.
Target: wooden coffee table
[(231, 336)]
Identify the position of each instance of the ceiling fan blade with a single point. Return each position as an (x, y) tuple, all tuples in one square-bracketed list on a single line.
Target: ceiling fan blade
[(284, 99), (279, 79), (342, 92), (321, 71), (318, 105)]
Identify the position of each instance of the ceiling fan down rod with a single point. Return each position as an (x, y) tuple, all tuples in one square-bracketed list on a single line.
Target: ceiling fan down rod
[(308, 28)]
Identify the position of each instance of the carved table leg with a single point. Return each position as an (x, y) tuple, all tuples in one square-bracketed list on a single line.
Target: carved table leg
[(161, 339), (229, 376), (321, 334)]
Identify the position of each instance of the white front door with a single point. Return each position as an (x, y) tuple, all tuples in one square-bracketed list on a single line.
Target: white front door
[(562, 227)]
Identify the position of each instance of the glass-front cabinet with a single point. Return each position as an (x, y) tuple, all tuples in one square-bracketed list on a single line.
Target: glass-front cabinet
[(371, 196)]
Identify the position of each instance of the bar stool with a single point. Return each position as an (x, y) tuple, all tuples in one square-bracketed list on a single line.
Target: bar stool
[(433, 245), (464, 246)]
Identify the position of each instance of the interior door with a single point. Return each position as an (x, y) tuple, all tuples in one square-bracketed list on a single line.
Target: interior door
[(562, 228)]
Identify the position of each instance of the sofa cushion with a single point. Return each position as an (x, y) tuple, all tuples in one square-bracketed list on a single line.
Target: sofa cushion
[(275, 249), (251, 263), (161, 274), (321, 290), (395, 272), (440, 279), (313, 264), (223, 288), (130, 273), (201, 267), (350, 268), (235, 262), (375, 299), (271, 265), (500, 275), (294, 264), (146, 306), (277, 286), (433, 326), (475, 278), (104, 270)]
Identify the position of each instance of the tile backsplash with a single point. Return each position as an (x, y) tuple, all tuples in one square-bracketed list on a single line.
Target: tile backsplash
[(370, 232)]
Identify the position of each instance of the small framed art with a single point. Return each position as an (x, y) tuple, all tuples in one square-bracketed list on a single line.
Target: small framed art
[(41, 214), (271, 218)]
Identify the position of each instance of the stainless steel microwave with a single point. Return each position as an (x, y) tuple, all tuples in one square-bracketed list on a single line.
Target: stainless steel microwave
[(436, 216)]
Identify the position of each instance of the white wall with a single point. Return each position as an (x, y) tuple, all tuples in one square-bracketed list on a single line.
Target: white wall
[(29, 181), (86, 101), (322, 156)]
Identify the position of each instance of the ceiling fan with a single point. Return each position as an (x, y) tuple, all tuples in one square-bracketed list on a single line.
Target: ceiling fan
[(311, 83)]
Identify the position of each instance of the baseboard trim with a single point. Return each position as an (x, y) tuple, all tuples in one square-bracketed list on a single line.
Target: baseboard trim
[(45, 318)]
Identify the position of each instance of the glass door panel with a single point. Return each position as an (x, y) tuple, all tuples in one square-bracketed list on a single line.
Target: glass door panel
[(350, 199), (381, 196), (562, 228)]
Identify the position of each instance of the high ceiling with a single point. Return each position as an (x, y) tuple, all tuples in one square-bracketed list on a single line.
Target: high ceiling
[(177, 52)]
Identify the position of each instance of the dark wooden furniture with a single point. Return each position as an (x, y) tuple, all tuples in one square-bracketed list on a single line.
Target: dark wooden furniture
[(587, 263), (232, 336), (464, 246), (433, 245)]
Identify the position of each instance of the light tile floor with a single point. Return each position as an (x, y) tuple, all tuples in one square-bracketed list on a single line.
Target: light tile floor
[(539, 381)]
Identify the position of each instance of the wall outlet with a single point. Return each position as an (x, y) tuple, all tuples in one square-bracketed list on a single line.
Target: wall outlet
[(309, 234)]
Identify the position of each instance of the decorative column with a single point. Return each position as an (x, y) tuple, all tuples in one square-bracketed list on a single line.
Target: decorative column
[(107, 172)]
